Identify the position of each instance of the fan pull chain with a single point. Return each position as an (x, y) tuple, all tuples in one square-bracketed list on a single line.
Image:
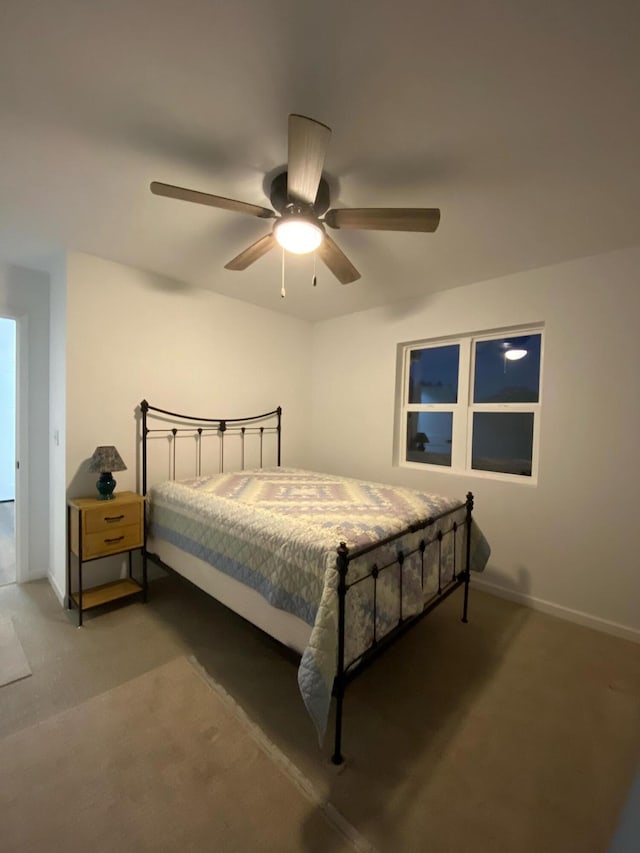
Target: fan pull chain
[(314, 280), (283, 292)]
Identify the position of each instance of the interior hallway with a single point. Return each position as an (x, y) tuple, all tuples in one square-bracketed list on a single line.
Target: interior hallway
[(7, 542)]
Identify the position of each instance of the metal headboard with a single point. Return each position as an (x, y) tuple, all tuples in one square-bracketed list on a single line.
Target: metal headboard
[(255, 428)]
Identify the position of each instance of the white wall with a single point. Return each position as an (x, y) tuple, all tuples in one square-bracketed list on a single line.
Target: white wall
[(7, 409), (571, 540), (24, 295), (132, 335)]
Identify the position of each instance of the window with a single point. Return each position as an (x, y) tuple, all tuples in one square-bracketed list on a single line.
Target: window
[(473, 403)]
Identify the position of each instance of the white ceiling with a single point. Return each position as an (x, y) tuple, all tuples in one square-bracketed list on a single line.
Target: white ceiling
[(519, 120)]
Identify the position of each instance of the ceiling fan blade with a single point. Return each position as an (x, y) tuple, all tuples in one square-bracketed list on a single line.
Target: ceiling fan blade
[(384, 218), (252, 254), (308, 143), (337, 261), (213, 200)]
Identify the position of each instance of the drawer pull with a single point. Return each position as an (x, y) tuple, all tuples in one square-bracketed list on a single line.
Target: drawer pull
[(113, 517), (111, 541)]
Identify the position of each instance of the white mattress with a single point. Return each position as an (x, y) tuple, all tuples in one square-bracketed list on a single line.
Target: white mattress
[(282, 626)]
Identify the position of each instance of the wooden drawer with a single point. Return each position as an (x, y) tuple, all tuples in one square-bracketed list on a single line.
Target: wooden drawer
[(112, 517), (111, 541)]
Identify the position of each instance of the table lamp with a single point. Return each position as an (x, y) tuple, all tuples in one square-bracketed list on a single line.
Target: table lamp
[(106, 459), (421, 439)]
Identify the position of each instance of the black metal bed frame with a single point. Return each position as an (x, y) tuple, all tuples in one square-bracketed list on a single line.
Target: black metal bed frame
[(252, 426)]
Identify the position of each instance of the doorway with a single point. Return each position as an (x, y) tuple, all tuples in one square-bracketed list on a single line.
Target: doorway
[(8, 373)]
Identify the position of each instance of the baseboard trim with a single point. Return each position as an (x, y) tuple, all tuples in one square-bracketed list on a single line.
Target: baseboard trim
[(54, 586), (576, 616), (566, 613)]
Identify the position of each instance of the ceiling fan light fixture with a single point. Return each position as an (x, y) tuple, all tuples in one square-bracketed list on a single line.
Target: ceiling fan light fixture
[(298, 234), (301, 207)]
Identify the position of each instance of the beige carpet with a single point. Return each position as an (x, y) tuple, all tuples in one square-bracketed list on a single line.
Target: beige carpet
[(13, 661), (516, 733), (165, 762)]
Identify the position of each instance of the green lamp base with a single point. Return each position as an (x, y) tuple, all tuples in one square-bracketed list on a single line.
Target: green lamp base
[(105, 485)]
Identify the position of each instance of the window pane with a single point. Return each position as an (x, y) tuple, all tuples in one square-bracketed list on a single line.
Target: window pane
[(503, 441), (429, 437), (433, 375), (508, 370)]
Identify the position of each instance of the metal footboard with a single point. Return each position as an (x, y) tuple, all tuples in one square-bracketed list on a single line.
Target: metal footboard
[(434, 533)]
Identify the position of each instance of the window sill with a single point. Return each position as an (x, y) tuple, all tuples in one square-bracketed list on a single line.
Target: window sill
[(470, 472)]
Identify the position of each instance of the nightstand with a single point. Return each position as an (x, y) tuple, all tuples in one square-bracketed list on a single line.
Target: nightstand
[(101, 528)]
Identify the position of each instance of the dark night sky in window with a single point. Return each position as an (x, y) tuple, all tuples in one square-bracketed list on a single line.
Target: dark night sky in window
[(501, 380)]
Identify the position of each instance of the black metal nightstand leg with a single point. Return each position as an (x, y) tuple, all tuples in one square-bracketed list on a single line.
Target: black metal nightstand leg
[(69, 601), (144, 575), (80, 592)]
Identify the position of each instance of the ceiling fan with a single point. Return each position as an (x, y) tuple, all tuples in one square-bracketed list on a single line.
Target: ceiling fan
[(301, 198)]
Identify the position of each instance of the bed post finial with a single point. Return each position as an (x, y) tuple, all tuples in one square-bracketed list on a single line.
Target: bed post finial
[(279, 430), (144, 408)]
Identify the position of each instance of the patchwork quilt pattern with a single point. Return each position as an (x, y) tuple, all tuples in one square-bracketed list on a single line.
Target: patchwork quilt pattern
[(277, 530)]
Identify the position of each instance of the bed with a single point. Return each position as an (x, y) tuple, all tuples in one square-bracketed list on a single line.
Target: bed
[(333, 567)]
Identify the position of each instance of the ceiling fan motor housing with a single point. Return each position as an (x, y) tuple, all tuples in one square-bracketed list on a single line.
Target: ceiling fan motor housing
[(280, 199)]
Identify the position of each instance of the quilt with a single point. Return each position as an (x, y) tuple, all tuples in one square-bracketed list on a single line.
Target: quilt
[(277, 530)]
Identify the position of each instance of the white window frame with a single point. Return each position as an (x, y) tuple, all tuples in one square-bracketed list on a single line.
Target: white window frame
[(463, 411)]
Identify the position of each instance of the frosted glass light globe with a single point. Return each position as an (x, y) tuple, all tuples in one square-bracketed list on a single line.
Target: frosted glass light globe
[(299, 236)]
